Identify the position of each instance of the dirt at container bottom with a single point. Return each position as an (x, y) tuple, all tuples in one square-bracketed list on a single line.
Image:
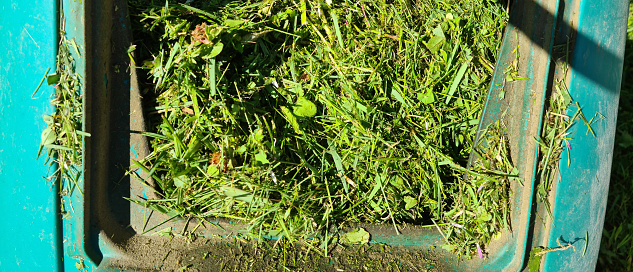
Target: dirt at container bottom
[(235, 254)]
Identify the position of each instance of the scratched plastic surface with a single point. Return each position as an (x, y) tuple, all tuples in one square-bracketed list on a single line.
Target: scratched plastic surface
[(581, 192), (29, 230)]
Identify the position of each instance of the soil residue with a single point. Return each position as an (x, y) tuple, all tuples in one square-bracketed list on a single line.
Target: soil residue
[(234, 254)]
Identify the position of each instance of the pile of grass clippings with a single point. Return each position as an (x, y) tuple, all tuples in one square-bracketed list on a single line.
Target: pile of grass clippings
[(301, 117), (62, 139)]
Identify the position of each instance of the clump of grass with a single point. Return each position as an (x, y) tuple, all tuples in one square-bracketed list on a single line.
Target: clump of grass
[(554, 137), (63, 135), (299, 117), (481, 208)]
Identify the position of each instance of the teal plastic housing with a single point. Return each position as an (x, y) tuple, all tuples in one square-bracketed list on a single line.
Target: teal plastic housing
[(35, 238), (581, 192), (30, 233)]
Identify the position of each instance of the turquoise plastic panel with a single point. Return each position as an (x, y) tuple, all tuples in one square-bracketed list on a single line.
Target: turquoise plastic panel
[(30, 234), (581, 193)]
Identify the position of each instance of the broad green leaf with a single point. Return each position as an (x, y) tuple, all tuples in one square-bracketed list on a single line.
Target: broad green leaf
[(241, 149), (47, 139), (410, 202), (565, 94), (49, 120), (437, 31), (397, 182), (241, 195), (436, 42), (80, 265), (53, 79), (148, 64), (427, 97), (214, 33), (181, 181), (234, 23), (212, 170), (213, 50), (358, 236), (304, 108), (449, 248), (48, 136), (484, 217), (258, 136), (534, 262), (261, 157)]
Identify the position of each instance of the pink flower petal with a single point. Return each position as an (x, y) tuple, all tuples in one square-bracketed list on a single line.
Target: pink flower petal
[(568, 145), (481, 255), (481, 187)]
